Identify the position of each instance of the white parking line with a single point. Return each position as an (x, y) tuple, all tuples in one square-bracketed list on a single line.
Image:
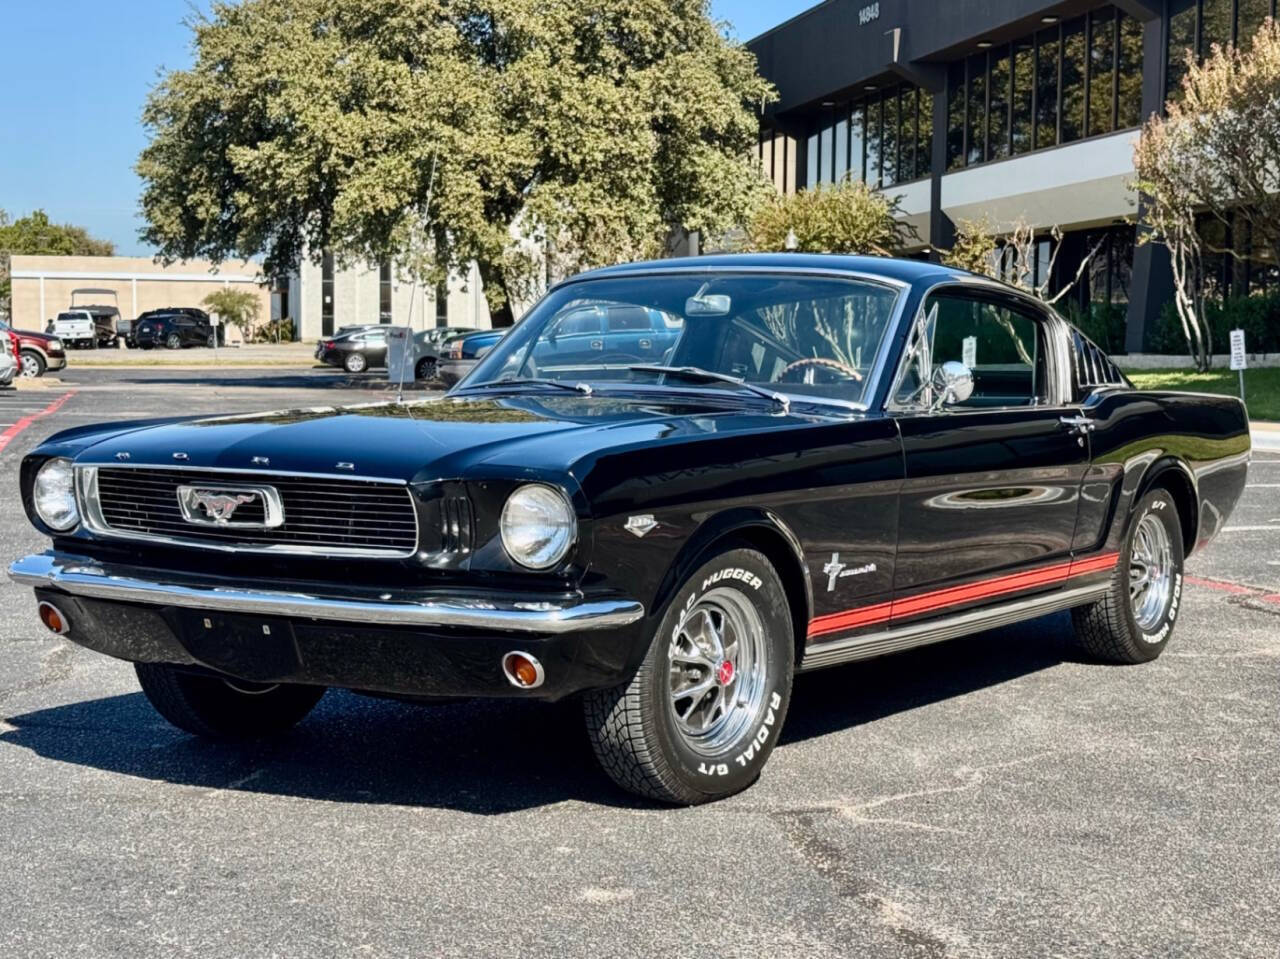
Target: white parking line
[(1251, 529)]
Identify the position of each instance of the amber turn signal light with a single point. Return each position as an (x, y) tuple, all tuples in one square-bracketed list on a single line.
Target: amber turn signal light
[(522, 670), (53, 618)]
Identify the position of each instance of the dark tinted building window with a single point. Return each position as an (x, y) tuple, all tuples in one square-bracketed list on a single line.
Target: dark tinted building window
[(384, 293), (956, 99), (1215, 24), (1073, 89), (976, 134), (1048, 44), (857, 141), (1024, 68), (875, 140), (1182, 42), (1102, 71), (924, 133), (1250, 15), (442, 304), (889, 148), (1129, 74), (998, 115), (326, 295)]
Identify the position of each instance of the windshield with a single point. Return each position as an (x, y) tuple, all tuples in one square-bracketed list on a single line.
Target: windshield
[(790, 333)]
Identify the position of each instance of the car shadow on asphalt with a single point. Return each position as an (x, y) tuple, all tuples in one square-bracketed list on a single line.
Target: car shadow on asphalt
[(495, 756)]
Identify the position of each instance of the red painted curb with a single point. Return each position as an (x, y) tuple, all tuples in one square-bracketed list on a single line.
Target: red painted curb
[(12, 432)]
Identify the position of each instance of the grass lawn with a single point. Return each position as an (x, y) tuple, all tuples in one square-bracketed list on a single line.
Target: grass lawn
[(1261, 387)]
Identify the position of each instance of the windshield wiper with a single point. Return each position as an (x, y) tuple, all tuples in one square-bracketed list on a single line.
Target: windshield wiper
[(583, 388), (697, 374)]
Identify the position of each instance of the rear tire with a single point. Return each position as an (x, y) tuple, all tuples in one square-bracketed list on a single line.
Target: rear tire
[(355, 363), (215, 708), (173, 341), (701, 715), (426, 369), (1133, 623)]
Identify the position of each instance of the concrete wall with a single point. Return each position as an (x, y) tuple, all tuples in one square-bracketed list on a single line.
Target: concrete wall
[(42, 285)]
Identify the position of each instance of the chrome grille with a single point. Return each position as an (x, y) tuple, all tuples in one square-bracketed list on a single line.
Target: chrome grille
[(321, 515)]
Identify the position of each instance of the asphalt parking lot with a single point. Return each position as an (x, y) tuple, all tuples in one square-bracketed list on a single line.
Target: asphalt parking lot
[(993, 796)]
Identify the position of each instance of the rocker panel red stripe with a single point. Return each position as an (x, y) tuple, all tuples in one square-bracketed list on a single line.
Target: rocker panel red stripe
[(955, 595)]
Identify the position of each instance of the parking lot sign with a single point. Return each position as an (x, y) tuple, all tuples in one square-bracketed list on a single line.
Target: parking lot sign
[(1239, 361), (400, 355)]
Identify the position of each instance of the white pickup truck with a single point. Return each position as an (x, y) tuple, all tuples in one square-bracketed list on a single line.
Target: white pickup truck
[(88, 326)]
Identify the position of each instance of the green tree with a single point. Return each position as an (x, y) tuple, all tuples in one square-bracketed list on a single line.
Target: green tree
[(442, 132), (848, 217), (1215, 152), (35, 235), (236, 307)]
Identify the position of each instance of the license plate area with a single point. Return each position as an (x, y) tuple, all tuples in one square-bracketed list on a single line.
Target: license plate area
[(252, 647)]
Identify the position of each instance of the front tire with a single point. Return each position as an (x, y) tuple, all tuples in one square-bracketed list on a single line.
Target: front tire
[(700, 717), (1133, 622), (32, 364), (224, 709), (426, 369)]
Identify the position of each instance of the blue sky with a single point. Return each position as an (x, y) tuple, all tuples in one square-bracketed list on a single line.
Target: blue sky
[(75, 74)]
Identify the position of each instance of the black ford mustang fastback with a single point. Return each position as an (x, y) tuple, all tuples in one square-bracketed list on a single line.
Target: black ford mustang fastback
[(837, 457)]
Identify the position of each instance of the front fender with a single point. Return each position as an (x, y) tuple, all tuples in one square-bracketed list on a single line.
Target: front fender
[(760, 527)]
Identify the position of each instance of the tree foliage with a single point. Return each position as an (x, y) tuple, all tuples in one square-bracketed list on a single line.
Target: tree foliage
[(36, 235), (847, 217), (441, 132), (235, 307), (1216, 151)]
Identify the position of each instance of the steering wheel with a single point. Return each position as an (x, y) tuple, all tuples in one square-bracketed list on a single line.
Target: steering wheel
[(818, 362)]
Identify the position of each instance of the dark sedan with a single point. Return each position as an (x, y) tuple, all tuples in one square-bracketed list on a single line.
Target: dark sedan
[(363, 348), (829, 459)]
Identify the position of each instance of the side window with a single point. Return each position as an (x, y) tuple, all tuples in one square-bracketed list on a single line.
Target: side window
[(624, 318), (579, 322), (1005, 349)]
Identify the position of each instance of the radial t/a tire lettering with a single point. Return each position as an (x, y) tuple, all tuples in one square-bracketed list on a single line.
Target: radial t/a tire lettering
[(703, 712), (1133, 622)]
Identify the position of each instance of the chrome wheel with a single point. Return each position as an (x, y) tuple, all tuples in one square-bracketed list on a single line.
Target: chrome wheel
[(1150, 572), (30, 365), (717, 671)]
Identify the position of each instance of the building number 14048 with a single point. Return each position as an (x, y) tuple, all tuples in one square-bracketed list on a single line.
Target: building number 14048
[(868, 13)]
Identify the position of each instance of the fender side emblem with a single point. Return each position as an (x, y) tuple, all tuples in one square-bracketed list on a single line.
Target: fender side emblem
[(642, 524)]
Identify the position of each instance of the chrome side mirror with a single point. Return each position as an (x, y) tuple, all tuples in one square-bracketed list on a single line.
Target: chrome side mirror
[(952, 383)]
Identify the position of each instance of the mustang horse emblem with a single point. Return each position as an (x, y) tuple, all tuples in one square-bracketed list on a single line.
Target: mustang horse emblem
[(219, 507), (215, 506)]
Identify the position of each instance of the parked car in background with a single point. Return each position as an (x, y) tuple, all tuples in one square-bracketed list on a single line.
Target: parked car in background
[(8, 358), (87, 325), (357, 351), (38, 352), (429, 345), (128, 329), (461, 353), (174, 331), (811, 476)]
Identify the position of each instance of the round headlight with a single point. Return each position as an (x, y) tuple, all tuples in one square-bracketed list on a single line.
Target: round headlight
[(54, 495), (538, 526)]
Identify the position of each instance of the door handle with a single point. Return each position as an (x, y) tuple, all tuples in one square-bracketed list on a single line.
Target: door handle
[(1079, 424)]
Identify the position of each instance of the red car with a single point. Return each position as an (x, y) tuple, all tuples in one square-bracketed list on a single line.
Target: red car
[(36, 352)]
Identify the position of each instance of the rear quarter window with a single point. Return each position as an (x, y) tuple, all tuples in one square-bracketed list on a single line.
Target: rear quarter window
[(1093, 369)]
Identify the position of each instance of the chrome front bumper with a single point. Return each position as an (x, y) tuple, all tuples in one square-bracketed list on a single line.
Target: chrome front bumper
[(92, 579)]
